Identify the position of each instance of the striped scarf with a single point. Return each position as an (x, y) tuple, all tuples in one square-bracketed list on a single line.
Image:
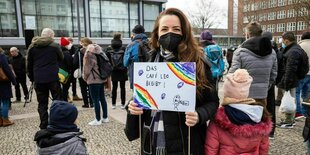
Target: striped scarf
[(159, 142)]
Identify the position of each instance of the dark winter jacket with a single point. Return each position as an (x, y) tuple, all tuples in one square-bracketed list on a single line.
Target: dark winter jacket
[(176, 132), (67, 63), (19, 66), (67, 143), (43, 60), (258, 58), (291, 59), (116, 46), (5, 86), (76, 59)]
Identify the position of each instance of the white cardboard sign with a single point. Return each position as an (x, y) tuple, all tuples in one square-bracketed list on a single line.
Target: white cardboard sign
[(166, 86)]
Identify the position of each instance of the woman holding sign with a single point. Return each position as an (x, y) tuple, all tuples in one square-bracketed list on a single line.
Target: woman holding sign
[(166, 132)]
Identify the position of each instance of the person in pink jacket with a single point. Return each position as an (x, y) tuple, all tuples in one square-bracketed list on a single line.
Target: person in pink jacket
[(241, 125)]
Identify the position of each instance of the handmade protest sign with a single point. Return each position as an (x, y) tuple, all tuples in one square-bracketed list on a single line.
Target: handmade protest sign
[(167, 86)]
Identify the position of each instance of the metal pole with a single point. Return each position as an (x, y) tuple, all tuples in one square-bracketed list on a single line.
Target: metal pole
[(78, 20)]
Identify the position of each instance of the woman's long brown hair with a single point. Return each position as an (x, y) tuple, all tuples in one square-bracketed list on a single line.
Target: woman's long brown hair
[(188, 50)]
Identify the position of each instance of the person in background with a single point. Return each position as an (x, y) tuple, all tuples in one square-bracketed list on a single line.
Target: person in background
[(229, 56), (172, 41), (19, 66), (44, 56), (95, 83), (5, 90), (303, 88), (73, 49), (138, 38), (62, 135), (115, 53), (66, 65), (241, 125), (255, 55), (77, 61)]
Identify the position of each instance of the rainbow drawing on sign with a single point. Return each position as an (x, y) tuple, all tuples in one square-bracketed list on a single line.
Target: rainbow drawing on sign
[(143, 98), (184, 71)]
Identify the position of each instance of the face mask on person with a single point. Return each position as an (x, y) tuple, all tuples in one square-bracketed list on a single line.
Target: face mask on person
[(69, 46), (170, 42), (283, 45)]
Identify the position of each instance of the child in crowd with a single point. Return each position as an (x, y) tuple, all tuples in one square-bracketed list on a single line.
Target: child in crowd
[(241, 125), (62, 136)]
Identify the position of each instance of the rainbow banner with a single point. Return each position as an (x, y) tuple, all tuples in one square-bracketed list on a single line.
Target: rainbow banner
[(166, 86)]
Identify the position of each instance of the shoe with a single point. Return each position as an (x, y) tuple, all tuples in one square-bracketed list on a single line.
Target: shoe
[(94, 122), (285, 126), (105, 120), (113, 106), (16, 101), (271, 137), (299, 116), (6, 122), (85, 106), (91, 106), (123, 106), (76, 98)]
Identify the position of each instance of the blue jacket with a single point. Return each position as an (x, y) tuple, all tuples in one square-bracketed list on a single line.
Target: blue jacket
[(5, 86)]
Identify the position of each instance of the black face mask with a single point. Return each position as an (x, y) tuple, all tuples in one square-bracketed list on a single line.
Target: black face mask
[(170, 42)]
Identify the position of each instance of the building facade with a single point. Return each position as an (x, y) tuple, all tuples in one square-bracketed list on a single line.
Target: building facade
[(276, 16), (97, 19)]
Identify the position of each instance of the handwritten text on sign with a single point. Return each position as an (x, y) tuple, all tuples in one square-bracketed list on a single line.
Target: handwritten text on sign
[(168, 86)]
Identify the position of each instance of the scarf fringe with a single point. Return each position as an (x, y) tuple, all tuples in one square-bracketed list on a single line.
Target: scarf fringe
[(161, 151)]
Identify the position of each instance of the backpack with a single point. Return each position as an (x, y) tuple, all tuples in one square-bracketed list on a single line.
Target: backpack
[(214, 54), (303, 66), (143, 51), (117, 60), (105, 68)]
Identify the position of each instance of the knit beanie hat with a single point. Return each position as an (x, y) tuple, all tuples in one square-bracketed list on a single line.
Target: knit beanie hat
[(63, 41), (138, 29), (62, 114), (206, 35), (237, 85)]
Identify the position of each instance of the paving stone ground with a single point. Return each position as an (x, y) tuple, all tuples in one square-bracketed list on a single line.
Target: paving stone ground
[(109, 138)]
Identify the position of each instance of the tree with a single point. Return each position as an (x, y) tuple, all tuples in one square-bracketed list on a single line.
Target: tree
[(204, 14)]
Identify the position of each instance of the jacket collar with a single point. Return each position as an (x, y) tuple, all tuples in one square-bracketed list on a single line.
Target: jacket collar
[(263, 128)]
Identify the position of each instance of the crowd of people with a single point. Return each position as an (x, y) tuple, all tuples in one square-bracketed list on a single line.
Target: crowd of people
[(243, 123)]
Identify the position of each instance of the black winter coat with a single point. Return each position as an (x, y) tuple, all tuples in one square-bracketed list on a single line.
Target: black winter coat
[(5, 86), (19, 66), (176, 131), (67, 63), (116, 46), (289, 67), (43, 60)]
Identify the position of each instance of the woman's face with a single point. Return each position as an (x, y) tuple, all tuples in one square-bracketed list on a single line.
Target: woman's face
[(169, 23)]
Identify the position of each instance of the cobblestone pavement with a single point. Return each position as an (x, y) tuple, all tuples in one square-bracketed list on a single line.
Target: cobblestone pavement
[(109, 138)]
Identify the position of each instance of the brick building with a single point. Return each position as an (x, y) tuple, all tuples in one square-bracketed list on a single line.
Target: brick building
[(276, 16)]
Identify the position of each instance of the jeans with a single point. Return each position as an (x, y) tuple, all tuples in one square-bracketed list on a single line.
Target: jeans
[(97, 95), (17, 90), (114, 92), (42, 91), (302, 89), (4, 108)]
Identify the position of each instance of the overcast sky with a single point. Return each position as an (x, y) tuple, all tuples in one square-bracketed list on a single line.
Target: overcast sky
[(185, 4)]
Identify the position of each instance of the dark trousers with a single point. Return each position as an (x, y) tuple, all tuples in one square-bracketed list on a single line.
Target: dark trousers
[(73, 88), (271, 107), (85, 93), (114, 92), (42, 91), (17, 89), (65, 89)]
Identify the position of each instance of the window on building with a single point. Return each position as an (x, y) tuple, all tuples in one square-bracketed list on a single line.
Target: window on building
[(264, 27), (151, 11), (272, 15), (281, 27), (95, 18), (301, 25), (134, 15), (303, 11), (281, 2), (281, 14), (291, 26), (114, 18), (8, 24), (53, 14), (291, 13), (273, 3)]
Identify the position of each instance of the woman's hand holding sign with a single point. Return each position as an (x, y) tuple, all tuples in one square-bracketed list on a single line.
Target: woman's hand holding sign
[(134, 109), (192, 118)]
